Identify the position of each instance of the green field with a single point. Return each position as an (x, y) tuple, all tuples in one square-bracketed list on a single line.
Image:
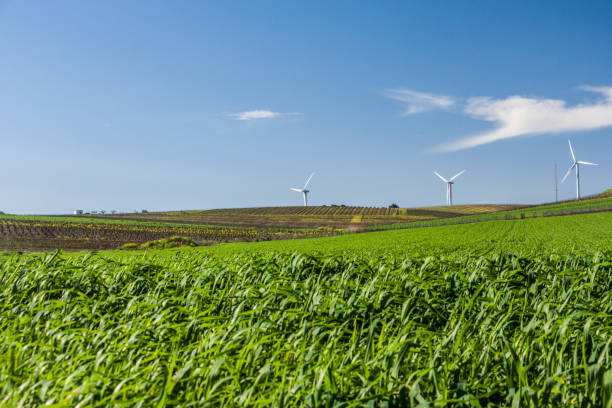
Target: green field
[(583, 233), (500, 313), (594, 204)]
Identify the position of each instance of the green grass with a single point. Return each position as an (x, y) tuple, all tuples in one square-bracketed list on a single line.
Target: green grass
[(500, 313)]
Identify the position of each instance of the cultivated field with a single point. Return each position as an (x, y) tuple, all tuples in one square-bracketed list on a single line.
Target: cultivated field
[(42, 233), (31, 233), (312, 217), (572, 234), (600, 203), (500, 313)]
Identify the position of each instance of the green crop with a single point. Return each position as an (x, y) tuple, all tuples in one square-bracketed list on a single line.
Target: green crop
[(503, 313), (583, 233), (472, 215), (188, 329)]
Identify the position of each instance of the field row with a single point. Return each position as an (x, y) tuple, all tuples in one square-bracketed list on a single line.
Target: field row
[(308, 217), (38, 235), (548, 210)]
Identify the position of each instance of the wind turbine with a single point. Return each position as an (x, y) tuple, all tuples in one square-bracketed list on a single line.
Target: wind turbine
[(304, 191), (449, 186), (576, 164)]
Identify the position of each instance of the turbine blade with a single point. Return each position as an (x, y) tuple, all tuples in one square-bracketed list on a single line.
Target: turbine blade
[(571, 150), (308, 181), (443, 179), (457, 175), (587, 163), (299, 190), (568, 172)]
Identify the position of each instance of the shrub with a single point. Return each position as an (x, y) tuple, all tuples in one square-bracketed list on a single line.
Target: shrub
[(130, 245), (163, 243), (172, 242)]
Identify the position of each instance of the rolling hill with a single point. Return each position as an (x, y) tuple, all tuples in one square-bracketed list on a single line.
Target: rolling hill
[(311, 217), (209, 227)]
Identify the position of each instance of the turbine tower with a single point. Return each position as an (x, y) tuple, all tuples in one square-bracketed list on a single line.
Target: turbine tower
[(576, 164), (449, 186), (304, 191)]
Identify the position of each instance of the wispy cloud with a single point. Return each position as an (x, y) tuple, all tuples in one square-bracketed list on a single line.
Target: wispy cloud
[(417, 102), (513, 116), (255, 114), (260, 114), (519, 116)]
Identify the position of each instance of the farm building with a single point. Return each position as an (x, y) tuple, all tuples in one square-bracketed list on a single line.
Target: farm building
[(78, 212)]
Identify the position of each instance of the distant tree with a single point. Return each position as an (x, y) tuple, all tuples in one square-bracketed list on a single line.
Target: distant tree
[(394, 206), (144, 212)]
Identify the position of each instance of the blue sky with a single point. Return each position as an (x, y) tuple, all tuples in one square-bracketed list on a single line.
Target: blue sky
[(189, 105)]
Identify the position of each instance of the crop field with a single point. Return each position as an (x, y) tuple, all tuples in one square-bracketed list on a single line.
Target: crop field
[(21, 233), (573, 234), (494, 314), (596, 204), (359, 218), (311, 217), (32, 232)]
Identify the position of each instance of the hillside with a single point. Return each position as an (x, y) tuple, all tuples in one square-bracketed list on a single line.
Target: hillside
[(579, 233), (210, 227), (311, 217), (607, 193)]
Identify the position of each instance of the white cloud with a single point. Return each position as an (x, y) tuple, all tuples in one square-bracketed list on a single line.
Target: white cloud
[(519, 116), (261, 114), (417, 102), (255, 114)]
